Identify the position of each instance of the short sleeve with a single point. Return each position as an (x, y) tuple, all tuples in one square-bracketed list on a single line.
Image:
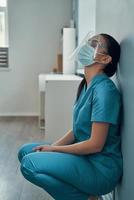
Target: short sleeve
[(106, 105)]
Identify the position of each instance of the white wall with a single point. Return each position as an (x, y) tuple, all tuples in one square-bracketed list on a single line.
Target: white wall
[(116, 17), (86, 17), (34, 34)]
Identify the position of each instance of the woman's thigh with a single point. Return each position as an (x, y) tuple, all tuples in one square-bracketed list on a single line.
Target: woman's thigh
[(70, 168), (56, 188)]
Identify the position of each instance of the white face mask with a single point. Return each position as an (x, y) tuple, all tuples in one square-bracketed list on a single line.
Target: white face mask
[(86, 55)]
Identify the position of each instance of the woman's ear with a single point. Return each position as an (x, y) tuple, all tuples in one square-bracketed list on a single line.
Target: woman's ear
[(106, 59)]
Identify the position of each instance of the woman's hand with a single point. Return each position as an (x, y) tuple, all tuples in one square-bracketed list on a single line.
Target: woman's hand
[(43, 148)]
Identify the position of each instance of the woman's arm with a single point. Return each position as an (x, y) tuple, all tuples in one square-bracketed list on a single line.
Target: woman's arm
[(94, 144), (68, 138)]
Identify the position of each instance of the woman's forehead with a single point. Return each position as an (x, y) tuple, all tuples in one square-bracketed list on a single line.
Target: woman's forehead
[(99, 38)]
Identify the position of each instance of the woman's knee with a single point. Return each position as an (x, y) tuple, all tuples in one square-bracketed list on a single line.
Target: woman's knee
[(24, 150), (28, 148)]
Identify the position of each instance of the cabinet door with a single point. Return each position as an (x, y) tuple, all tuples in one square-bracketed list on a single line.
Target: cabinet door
[(59, 99)]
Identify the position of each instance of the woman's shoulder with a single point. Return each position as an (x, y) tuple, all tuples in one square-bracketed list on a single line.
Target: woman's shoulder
[(107, 85), (107, 88)]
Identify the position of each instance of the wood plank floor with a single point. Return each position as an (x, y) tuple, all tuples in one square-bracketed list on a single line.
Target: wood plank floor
[(15, 131)]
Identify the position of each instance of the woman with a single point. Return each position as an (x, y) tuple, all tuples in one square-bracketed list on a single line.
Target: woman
[(87, 161)]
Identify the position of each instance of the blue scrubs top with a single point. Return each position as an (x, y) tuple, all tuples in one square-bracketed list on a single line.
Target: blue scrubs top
[(101, 102)]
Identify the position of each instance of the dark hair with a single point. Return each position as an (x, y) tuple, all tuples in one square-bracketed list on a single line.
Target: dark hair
[(114, 51), (113, 48)]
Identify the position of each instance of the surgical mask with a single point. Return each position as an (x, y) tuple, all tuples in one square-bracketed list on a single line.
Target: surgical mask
[(86, 55)]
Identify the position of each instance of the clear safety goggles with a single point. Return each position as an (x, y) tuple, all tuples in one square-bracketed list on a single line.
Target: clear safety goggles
[(92, 40)]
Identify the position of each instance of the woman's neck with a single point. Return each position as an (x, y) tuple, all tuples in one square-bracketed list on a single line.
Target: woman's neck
[(91, 72)]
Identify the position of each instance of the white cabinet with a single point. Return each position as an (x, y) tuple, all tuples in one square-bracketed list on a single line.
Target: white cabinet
[(59, 96)]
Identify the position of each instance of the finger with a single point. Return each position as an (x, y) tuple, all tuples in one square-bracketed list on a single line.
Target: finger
[(36, 148)]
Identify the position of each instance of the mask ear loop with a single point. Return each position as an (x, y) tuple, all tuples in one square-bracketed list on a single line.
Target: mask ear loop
[(101, 53)]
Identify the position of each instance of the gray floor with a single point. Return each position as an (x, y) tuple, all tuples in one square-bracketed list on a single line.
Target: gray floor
[(15, 131)]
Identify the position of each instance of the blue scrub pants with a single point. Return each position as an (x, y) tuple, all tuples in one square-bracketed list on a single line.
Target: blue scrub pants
[(64, 176)]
